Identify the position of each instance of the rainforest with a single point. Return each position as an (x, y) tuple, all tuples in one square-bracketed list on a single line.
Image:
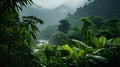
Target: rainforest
[(59, 33)]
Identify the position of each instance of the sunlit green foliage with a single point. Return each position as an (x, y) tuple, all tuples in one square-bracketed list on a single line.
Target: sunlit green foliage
[(81, 55), (95, 45)]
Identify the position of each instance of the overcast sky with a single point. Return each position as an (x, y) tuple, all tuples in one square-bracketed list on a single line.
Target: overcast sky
[(51, 4)]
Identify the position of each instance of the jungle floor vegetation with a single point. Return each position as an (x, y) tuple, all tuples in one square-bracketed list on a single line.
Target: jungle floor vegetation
[(93, 45)]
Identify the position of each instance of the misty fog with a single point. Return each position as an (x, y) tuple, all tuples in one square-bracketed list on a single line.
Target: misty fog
[(52, 11)]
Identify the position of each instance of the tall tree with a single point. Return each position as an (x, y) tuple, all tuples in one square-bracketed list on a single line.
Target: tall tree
[(64, 26), (86, 30)]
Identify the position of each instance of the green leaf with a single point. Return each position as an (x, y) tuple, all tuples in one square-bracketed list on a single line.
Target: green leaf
[(82, 45), (91, 61), (100, 58), (95, 59), (100, 50), (32, 19), (109, 41), (75, 48), (102, 40), (116, 41), (67, 47), (60, 48), (33, 35), (81, 52), (26, 43), (97, 43), (34, 28)]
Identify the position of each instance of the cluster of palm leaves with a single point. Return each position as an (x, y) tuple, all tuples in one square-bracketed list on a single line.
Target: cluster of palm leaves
[(17, 36), (9, 5)]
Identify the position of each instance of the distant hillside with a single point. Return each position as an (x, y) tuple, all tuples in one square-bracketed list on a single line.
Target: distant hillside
[(50, 17), (104, 8), (45, 34)]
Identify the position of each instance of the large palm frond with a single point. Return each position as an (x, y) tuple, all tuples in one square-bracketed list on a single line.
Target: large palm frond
[(14, 4)]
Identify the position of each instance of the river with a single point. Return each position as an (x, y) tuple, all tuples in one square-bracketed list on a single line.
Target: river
[(42, 42)]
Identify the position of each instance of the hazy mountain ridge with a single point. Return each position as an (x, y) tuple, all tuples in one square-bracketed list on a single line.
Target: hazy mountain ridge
[(103, 8), (50, 17)]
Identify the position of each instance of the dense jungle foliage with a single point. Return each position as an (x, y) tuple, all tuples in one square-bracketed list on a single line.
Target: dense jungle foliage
[(96, 43), (107, 9), (17, 36)]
